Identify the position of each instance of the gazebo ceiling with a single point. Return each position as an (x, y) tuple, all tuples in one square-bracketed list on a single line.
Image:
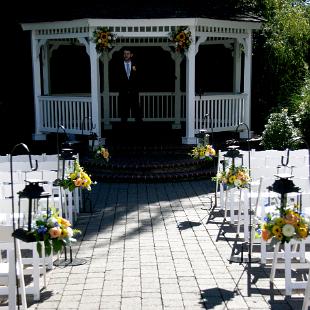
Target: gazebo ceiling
[(37, 11)]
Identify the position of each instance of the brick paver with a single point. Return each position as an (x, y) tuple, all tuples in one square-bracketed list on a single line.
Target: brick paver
[(157, 246)]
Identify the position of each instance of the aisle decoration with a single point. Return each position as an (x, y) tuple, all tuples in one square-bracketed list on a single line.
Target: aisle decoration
[(282, 228), (206, 152), (182, 38), (54, 231), (77, 178), (102, 153), (234, 176), (103, 38)]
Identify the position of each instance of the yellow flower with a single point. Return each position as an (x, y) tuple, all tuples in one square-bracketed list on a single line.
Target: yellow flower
[(276, 229), (64, 222), (231, 179), (64, 233), (280, 221), (303, 232)]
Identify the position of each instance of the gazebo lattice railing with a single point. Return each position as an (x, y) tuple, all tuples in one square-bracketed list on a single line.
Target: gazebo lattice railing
[(224, 111)]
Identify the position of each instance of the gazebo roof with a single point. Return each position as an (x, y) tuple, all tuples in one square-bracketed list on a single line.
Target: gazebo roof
[(33, 12)]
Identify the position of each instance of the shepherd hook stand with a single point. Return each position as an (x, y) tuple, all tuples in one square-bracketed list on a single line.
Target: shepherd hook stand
[(69, 262), (247, 260)]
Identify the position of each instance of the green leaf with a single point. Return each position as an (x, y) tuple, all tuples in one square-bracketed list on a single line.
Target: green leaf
[(48, 248), (57, 245), (39, 248)]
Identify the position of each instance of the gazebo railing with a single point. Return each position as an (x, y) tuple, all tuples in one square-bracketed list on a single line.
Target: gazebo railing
[(224, 111), (72, 112)]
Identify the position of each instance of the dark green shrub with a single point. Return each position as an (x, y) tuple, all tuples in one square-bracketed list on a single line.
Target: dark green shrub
[(279, 131), (302, 107)]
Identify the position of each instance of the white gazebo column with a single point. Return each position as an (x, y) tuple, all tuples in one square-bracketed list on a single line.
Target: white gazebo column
[(177, 89), (36, 70), (95, 88), (106, 91), (248, 78), (46, 69), (190, 92), (237, 67)]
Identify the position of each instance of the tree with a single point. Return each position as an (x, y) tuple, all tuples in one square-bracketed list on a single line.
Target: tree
[(281, 53)]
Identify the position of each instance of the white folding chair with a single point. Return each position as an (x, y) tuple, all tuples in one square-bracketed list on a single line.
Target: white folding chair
[(306, 301), (10, 269), (293, 258)]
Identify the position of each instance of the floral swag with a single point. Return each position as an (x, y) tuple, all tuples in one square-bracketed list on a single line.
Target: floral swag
[(103, 38), (182, 38), (78, 178), (54, 230), (206, 152), (284, 227), (234, 176)]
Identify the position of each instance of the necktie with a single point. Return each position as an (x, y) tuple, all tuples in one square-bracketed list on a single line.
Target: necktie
[(128, 69)]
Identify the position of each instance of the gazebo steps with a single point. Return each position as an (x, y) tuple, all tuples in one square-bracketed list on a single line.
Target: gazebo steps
[(149, 164)]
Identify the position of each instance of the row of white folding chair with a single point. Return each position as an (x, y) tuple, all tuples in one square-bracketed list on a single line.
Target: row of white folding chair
[(33, 264), (25, 157), (25, 166), (36, 264), (10, 268), (67, 203), (246, 200)]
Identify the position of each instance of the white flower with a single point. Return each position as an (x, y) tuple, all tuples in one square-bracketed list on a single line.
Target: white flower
[(52, 221), (237, 182), (288, 230), (70, 232)]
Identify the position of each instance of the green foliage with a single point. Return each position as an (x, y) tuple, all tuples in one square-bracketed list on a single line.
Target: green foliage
[(279, 131), (287, 34), (301, 104), (280, 57)]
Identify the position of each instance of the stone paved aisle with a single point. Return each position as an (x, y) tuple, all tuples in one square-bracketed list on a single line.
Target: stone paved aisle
[(156, 246)]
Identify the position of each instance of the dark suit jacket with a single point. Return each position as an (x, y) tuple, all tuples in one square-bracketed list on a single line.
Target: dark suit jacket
[(128, 86)]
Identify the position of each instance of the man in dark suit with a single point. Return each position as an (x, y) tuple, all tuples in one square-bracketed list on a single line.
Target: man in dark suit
[(128, 88)]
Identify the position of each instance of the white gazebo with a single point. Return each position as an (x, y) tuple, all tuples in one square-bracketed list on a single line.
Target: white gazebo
[(82, 113)]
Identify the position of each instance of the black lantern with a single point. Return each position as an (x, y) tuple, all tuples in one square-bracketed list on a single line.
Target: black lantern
[(283, 185), (33, 192), (65, 160), (202, 137), (232, 153)]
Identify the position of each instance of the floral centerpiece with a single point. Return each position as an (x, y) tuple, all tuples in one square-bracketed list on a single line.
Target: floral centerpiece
[(234, 176), (103, 39), (54, 231), (206, 152), (284, 227), (182, 38), (77, 178)]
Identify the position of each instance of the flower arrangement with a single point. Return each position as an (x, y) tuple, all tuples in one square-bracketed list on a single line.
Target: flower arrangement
[(206, 152), (237, 176), (102, 153), (284, 227), (54, 231), (182, 38), (77, 178), (103, 39)]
